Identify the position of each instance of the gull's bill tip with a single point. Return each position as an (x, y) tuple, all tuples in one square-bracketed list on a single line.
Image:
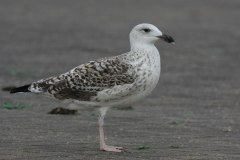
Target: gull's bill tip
[(166, 38)]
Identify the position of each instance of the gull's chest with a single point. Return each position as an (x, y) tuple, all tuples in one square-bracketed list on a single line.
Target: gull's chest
[(148, 66), (147, 71)]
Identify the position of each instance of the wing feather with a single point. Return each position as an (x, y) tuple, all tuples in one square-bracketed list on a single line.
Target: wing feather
[(86, 80)]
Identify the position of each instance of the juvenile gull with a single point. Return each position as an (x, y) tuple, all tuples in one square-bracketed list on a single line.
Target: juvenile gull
[(108, 82)]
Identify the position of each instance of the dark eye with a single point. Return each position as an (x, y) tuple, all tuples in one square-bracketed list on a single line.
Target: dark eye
[(146, 30)]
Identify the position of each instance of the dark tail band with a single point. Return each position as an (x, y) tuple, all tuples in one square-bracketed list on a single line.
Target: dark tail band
[(21, 89)]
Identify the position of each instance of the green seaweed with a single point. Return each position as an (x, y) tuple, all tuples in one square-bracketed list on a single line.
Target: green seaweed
[(175, 122), (14, 106), (143, 147)]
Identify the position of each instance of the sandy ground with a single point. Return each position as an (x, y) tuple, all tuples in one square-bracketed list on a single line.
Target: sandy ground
[(199, 87)]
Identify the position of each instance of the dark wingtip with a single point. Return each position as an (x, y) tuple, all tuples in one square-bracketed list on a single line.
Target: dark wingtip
[(20, 89)]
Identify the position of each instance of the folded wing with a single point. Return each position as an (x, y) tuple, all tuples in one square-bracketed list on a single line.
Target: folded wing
[(85, 81)]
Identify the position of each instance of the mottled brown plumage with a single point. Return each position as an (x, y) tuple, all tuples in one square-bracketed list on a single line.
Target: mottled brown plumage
[(86, 80)]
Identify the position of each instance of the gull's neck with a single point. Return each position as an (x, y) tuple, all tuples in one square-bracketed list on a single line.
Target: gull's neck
[(143, 48), (145, 54)]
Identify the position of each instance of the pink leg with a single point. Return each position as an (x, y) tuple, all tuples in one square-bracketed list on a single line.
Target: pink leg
[(103, 145)]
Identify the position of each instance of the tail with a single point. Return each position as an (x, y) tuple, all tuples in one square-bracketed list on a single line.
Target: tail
[(21, 89)]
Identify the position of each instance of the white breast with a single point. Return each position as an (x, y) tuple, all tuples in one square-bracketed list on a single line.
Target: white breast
[(148, 69)]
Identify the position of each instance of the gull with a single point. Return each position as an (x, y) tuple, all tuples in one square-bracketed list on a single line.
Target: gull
[(109, 82)]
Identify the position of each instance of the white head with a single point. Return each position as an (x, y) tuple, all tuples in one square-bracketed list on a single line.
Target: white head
[(147, 34)]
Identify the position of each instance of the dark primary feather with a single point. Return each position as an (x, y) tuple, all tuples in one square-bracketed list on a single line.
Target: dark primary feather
[(21, 89)]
